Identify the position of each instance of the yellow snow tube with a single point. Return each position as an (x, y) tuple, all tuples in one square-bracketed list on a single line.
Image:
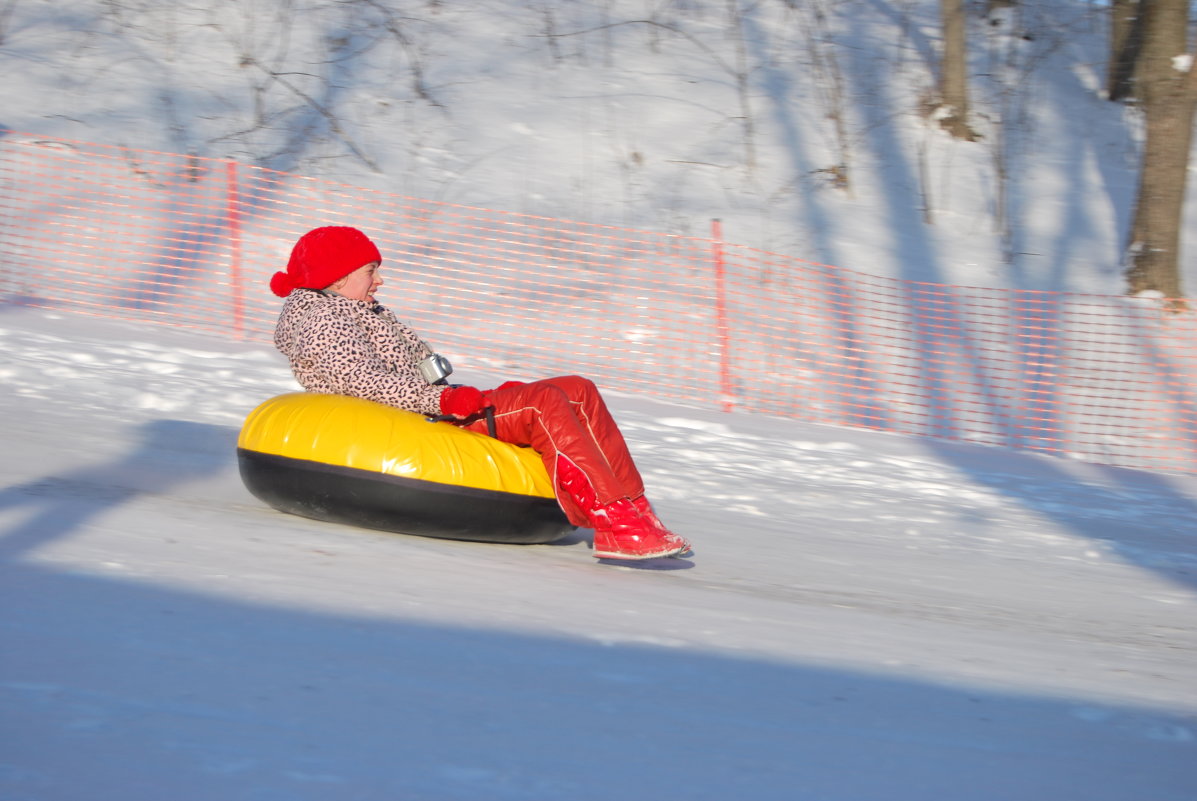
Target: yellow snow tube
[(347, 460)]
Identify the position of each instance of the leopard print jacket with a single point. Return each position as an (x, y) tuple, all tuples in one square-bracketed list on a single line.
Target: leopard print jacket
[(340, 346)]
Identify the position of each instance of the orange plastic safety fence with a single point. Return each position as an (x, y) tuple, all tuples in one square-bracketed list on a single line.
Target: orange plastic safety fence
[(192, 242)]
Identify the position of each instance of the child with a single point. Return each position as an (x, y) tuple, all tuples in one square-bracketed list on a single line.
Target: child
[(340, 340)]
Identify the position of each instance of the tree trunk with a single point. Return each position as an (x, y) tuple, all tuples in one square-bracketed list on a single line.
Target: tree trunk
[(1168, 91), (953, 72), (1126, 40)]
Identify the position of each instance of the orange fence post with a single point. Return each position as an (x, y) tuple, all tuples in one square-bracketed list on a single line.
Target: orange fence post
[(233, 215), (721, 327)]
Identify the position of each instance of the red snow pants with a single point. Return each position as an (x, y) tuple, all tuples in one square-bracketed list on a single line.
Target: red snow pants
[(566, 416)]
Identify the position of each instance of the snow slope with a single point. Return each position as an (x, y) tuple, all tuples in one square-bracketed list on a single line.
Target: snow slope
[(864, 617)]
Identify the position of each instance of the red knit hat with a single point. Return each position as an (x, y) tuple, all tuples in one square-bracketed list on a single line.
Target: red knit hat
[(323, 256)]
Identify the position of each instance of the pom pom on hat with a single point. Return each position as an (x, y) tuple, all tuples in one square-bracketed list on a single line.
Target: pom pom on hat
[(281, 284), (322, 257)]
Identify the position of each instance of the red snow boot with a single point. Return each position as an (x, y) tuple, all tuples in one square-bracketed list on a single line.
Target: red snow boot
[(646, 511), (620, 532)]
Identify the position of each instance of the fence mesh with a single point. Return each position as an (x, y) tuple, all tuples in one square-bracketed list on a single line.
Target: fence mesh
[(185, 241)]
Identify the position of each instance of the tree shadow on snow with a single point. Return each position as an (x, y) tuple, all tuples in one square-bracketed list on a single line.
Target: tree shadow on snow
[(121, 690), (1139, 516), (165, 453)]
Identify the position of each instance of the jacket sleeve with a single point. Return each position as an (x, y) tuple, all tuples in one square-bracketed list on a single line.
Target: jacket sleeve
[(341, 354)]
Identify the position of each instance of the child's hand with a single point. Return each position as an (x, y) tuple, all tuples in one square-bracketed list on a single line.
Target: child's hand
[(462, 402)]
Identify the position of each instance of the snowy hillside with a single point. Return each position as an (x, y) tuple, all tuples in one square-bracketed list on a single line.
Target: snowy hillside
[(797, 124), (864, 617)]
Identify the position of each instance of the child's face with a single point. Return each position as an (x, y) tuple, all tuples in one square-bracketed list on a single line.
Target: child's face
[(361, 283)]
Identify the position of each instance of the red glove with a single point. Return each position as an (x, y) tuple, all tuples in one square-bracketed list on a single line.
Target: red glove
[(463, 402)]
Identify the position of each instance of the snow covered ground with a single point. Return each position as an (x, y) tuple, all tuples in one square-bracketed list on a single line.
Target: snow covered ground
[(864, 617)]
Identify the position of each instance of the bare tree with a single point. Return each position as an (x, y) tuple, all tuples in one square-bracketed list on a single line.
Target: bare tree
[(1167, 88), (953, 72), (1126, 39), (828, 84)]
